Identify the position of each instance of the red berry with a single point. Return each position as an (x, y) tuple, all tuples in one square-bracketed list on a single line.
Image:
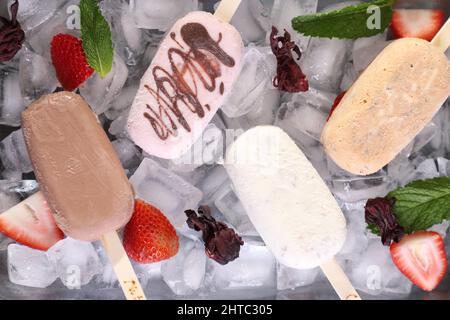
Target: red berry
[(421, 258), (149, 236), (69, 60), (31, 223)]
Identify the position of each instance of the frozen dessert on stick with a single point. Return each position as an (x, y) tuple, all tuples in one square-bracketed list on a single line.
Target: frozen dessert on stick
[(288, 203), (390, 103), (80, 177), (76, 166), (187, 81)]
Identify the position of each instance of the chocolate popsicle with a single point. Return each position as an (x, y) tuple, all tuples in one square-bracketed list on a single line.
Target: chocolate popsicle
[(76, 166)]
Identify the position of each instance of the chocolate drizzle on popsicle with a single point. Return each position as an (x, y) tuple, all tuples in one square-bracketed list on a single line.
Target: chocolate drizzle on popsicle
[(201, 64)]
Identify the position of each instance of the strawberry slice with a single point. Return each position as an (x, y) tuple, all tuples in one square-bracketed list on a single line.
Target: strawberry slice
[(421, 258), (149, 236), (336, 103), (69, 60), (417, 23), (31, 223)]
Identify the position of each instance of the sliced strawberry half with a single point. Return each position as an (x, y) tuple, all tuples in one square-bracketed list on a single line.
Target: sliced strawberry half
[(417, 23), (336, 103), (31, 223), (421, 258)]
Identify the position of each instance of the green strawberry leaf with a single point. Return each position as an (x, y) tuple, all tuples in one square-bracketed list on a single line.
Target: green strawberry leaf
[(96, 37), (422, 203), (351, 22)]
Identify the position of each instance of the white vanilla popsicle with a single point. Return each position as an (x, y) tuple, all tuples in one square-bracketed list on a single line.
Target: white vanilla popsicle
[(286, 199), (390, 103), (189, 77)]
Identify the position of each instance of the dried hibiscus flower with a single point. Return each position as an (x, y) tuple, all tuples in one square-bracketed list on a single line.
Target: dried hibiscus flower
[(289, 76), (222, 244), (11, 35), (379, 213)]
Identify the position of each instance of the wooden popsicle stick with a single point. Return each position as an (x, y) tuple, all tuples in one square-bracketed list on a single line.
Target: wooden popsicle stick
[(226, 9), (442, 39), (122, 267), (339, 280)]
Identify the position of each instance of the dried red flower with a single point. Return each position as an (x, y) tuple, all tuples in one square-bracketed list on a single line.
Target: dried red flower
[(289, 76), (11, 35), (222, 244), (379, 212)]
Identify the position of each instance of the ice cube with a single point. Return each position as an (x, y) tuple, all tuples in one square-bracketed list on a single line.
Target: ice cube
[(441, 228), (29, 267), (255, 268), (356, 241), (144, 272), (259, 114), (443, 165), (14, 154), (290, 278), (427, 169), (324, 61), (11, 100), (231, 207), (402, 170), (305, 118), (118, 127), (76, 262), (165, 190), (206, 150), (252, 20), (258, 70), (423, 138), (66, 19), (147, 272), (122, 102), (37, 76), (128, 39), (366, 49), (356, 188), (108, 277), (128, 153), (7, 200), (350, 76), (21, 189), (445, 128), (185, 272), (32, 13), (284, 11), (212, 183), (375, 273), (161, 15), (100, 92)]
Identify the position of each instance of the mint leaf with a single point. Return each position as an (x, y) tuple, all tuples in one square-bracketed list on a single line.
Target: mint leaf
[(346, 23), (96, 37), (422, 204)]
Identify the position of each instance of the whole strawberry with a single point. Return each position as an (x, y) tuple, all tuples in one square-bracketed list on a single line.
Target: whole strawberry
[(69, 60), (149, 236)]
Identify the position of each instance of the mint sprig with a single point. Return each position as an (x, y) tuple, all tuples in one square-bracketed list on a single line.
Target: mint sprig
[(420, 204), (346, 23), (96, 37)]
